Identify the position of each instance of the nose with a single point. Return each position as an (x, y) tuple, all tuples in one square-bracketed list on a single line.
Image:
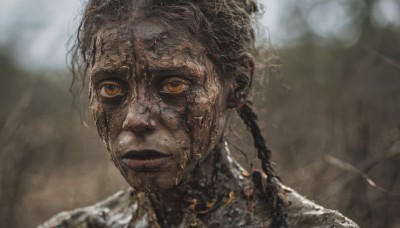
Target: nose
[(138, 120)]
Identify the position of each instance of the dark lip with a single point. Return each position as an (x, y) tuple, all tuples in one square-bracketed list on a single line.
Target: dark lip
[(144, 160), (143, 154)]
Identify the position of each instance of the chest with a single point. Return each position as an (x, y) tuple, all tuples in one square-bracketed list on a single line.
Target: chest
[(235, 212)]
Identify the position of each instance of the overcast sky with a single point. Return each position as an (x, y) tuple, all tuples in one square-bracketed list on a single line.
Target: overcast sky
[(39, 29)]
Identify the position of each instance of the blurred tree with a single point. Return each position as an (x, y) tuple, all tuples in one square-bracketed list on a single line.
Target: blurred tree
[(342, 101), (333, 108)]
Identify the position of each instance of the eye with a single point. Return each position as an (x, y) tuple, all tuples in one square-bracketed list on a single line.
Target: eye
[(174, 86), (110, 89)]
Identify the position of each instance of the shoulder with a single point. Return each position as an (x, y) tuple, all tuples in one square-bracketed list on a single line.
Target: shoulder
[(115, 211), (302, 212)]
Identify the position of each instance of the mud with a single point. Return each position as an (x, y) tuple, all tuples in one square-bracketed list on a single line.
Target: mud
[(234, 200), (139, 57), (166, 76)]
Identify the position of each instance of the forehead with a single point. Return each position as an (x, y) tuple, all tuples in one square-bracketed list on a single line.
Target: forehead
[(151, 42)]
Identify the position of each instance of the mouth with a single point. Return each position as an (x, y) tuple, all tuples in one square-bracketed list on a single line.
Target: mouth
[(144, 160)]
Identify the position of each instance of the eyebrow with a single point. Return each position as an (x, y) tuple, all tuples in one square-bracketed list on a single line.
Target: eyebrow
[(103, 73), (173, 70), (106, 72)]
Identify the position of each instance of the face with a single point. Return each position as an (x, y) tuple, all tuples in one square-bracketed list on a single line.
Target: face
[(157, 101)]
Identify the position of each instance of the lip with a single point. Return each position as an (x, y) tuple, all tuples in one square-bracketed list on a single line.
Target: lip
[(144, 160)]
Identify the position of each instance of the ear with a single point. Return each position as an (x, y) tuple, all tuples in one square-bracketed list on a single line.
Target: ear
[(241, 83)]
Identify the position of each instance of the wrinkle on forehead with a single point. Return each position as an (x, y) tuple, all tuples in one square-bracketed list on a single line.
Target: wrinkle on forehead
[(152, 42), (110, 52)]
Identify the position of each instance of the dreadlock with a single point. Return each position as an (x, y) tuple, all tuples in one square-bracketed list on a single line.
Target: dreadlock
[(264, 154)]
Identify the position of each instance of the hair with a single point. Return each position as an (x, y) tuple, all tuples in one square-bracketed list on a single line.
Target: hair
[(222, 26), (264, 154)]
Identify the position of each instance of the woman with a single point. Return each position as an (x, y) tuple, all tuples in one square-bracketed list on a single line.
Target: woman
[(165, 78)]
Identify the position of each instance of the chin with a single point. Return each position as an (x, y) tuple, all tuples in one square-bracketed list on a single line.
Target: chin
[(152, 181)]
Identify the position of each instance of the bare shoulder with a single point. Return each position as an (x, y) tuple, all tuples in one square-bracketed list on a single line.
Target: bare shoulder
[(114, 211), (305, 213)]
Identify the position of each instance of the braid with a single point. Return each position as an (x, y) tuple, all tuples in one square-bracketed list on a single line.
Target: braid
[(264, 154)]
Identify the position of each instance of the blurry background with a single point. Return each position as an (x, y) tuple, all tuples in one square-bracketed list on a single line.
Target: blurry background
[(331, 112)]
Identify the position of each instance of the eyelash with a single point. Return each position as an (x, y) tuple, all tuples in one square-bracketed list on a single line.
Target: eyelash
[(172, 83), (165, 88), (101, 89)]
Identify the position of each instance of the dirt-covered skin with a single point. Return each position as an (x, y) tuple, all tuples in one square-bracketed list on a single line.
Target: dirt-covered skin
[(162, 91), (140, 57), (234, 200)]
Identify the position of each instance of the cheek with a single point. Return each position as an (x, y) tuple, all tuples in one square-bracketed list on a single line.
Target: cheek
[(206, 120), (100, 118), (107, 122), (170, 116)]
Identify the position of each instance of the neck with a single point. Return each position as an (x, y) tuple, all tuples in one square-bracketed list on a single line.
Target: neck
[(207, 188)]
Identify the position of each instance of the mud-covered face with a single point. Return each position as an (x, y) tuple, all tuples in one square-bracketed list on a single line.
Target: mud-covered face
[(156, 99)]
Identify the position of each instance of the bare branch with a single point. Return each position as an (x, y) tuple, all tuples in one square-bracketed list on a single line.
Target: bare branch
[(351, 168)]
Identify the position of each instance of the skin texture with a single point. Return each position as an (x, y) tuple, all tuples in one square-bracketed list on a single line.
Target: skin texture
[(233, 200), (164, 79), (138, 61), (214, 38)]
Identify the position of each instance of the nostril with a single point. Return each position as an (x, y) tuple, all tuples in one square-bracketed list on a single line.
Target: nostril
[(144, 127), (139, 123), (143, 130)]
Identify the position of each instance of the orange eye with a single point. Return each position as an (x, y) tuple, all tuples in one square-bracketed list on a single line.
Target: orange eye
[(110, 89), (174, 86)]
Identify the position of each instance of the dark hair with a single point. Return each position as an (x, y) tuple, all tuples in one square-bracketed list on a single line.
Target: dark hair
[(222, 26), (264, 154)]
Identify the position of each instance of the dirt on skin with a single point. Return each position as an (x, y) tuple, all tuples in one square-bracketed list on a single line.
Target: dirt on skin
[(184, 125), (161, 102), (234, 195)]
